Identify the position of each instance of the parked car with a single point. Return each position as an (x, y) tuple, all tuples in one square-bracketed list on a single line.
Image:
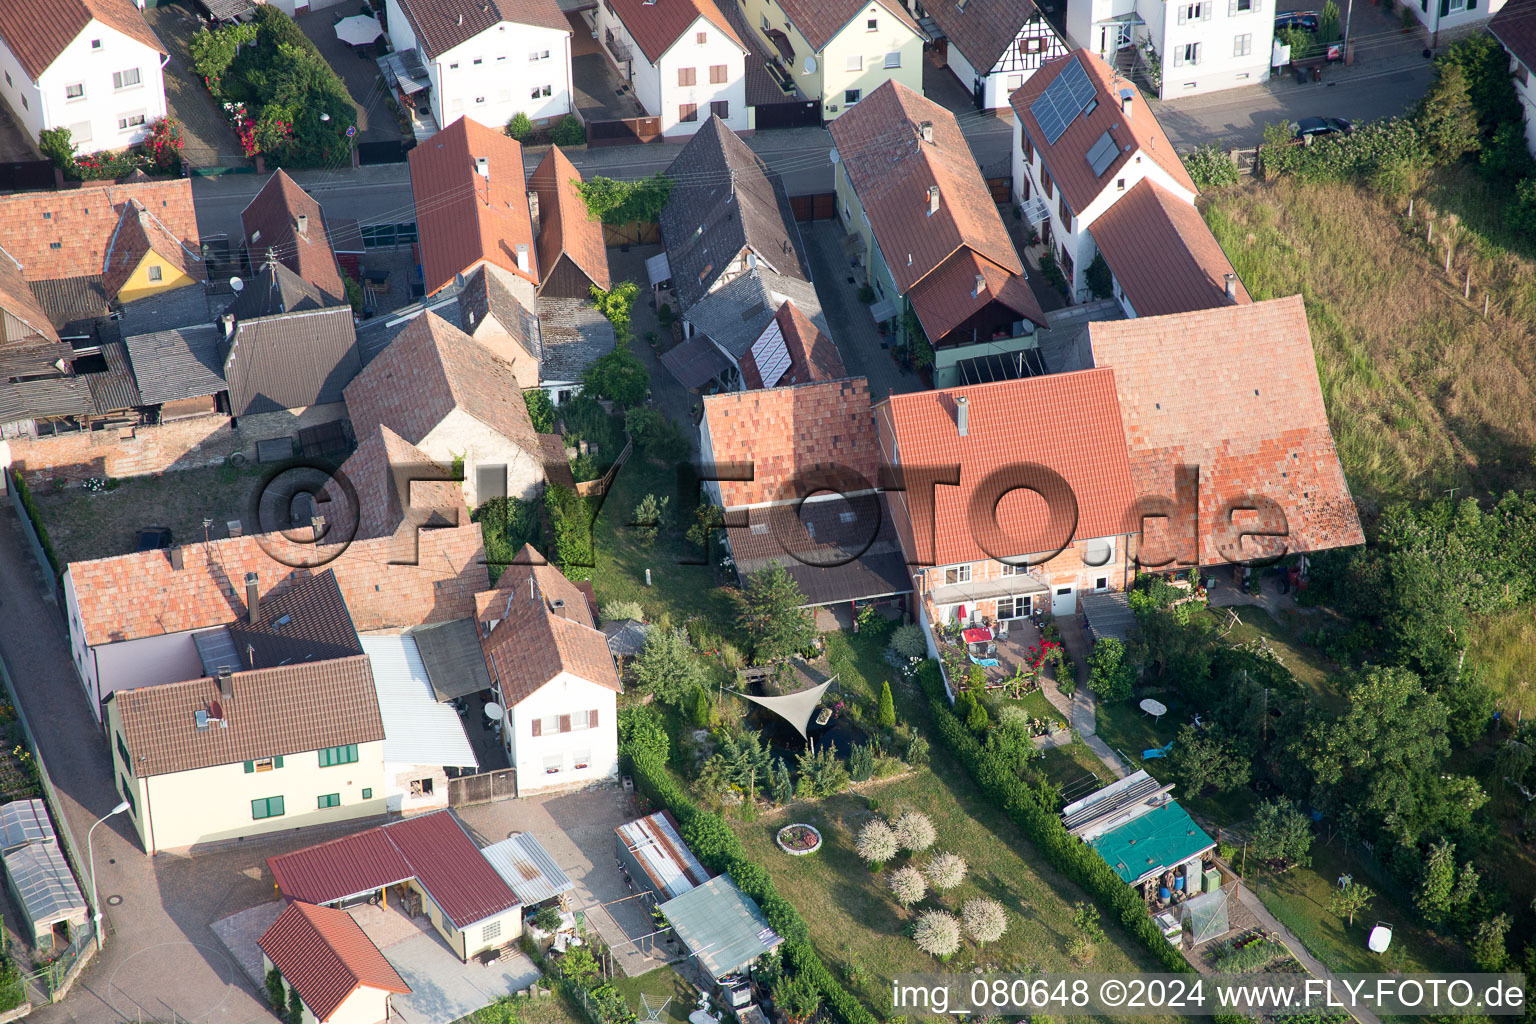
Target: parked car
[(154, 538), (1309, 128), (1306, 20)]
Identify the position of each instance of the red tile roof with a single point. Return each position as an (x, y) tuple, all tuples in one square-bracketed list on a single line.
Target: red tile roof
[(812, 355), (564, 224), (819, 21), (1515, 27), (440, 25), (462, 217), (326, 956), (430, 369), (84, 220), (789, 436), (948, 297), (1234, 391), (655, 26), (138, 232), (388, 582), (1190, 270), (983, 30), (1067, 159), (892, 170), (1068, 423), (397, 486), (545, 627), (284, 710), (17, 300), (432, 848), (271, 226), (38, 31)]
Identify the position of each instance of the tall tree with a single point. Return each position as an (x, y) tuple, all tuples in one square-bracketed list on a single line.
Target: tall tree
[(668, 666), (1281, 832), (1446, 116), (773, 617), (1207, 758)]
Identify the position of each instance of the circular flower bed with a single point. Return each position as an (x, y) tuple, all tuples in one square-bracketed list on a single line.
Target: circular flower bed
[(798, 840)]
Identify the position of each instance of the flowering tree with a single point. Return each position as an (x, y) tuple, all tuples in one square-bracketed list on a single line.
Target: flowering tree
[(907, 885), (945, 871), (914, 832), (165, 143), (937, 933), (876, 844), (984, 920)]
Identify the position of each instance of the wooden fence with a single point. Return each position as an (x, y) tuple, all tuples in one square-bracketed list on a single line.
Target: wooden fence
[(634, 233), (600, 486), (482, 788), (623, 132)]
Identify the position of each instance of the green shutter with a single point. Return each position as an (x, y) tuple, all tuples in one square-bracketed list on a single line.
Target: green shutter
[(277, 762), (250, 766), (367, 794), (275, 805)]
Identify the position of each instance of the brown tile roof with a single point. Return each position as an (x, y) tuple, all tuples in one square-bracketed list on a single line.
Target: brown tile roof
[(291, 361), (325, 956), (982, 30), (440, 25), (819, 21), (545, 627), (1189, 270), (788, 436), (812, 355), (430, 576), (306, 621), (462, 217), (393, 484), (84, 220), (1068, 423), (430, 369), (271, 222), (1067, 159), (16, 299), (38, 31), (656, 26), (1515, 27), (1234, 391), (948, 297), (892, 169), (564, 225), (284, 710), (138, 232)]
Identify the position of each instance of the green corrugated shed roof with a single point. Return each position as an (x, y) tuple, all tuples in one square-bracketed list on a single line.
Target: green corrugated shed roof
[(1157, 840), (721, 925)]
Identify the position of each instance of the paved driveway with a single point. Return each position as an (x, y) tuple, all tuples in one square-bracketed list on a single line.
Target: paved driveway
[(375, 121), (209, 139)]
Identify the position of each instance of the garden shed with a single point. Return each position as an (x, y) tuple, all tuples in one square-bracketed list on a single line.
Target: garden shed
[(1163, 839), (655, 858), (721, 926), (37, 872)]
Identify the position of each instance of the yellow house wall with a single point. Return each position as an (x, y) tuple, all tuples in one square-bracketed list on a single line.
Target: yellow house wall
[(366, 1005), (756, 11), (139, 285), (855, 40), (468, 942)]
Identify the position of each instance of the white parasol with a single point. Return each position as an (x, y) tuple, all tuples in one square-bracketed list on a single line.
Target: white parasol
[(358, 30)]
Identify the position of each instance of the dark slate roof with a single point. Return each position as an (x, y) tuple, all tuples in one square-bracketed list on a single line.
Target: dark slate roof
[(59, 396), (273, 289), (115, 388), (307, 621), (626, 638), (574, 336), (68, 299), (485, 294), (455, 663), (725, 199), (172, 365), (290, 361), (179, 307), (735, 315), (695, 362), (831, 560)]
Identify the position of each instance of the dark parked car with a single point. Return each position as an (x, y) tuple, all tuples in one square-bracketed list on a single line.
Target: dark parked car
[(1309, 128), (154, 538), (1306, 20)]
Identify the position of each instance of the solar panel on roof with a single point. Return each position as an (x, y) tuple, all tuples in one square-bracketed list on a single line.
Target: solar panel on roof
[(771, 355), (1062, 101), (1103, 153)]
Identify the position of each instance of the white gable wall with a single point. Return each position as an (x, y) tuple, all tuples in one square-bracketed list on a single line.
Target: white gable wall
[(93, 117), (508, 74), (717, 49), (535, 756), (461, 435)]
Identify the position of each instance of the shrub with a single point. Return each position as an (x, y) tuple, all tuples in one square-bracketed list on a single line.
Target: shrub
[(985, 920), (657, 437), (1052, 272), (1504, 157), (625, 202), (945, 871), (24, 492), (1210, 168), (1098, 277), (277, 991), (907, 885), (618, 611), (57, 144), (668, 666), (937, 933), (1281, 832), (618, 376), (547, 918), (795, 996), (519, 126), (650, 514), (164, 146), (569, 132), (876, 843), (821, 774), (540, 410), (1446, 116), (885, 713), (917, 752), (1109, 677), (861, 762), (571, 516), (1521, 214), (698, 711), (909, 642), (506, 524), (914, 831)]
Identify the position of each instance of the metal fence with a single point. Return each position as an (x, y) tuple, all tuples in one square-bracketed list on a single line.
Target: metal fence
[(482, 788)]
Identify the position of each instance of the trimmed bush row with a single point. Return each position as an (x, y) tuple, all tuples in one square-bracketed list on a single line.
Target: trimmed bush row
[(27, 502), (719, 850)]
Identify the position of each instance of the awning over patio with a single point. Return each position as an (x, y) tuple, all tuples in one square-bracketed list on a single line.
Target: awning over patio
[(1109, 616), (794, 708), (721, 926), (988, 590), (658, 270), (528, 868), (695, 362), (403, 69)]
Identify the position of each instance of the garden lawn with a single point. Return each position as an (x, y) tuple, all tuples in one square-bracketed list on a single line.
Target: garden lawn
[(1035, 705), (1075, 769), (1309, 665), (658, 986), (1132, 732), (550, 1009), (1501, 646)]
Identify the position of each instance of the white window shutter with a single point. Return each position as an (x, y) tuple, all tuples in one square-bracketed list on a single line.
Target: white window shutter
[(1178, 55), (1205, 10), (1199, 52), (1231, 8), (1182, 9)]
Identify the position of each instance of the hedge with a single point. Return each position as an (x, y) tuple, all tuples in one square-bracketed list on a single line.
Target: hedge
[(719, 849), (36, 516)]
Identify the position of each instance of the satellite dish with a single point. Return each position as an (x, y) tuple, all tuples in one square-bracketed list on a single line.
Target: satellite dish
[(493, 711), (809, 67), (834, 156), (236, 285)]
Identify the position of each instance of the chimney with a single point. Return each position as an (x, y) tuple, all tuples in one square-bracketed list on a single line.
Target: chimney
[(176, 559), (933, 200), (962, 415), (533, 211), (228, 320), (1231, 287), (522, 257), (926, 131), (252, 599), (981, 285), (304, 224), (751, 260), (461, 19), (483, 166), (558, 606), (226, 682), (1125, 101)]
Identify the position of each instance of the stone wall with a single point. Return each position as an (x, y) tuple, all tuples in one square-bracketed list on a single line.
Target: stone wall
[(190, 443)]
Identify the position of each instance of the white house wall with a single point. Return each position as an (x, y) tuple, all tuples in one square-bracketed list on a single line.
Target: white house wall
[(1219, 66), (502, 84), (93, 117), (461, 435), (402, 790), (1526, 90), (718, 48), (533, 756)]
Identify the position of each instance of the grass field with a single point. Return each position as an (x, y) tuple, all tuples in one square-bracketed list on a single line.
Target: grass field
[(1309, 665), (1502, 645), (1423, 392), (657, 987)]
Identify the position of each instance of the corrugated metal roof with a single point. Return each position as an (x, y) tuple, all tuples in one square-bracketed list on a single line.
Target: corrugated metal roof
[(114, 389), (662, 853), (291, 361), (59, 396), (41, 878), (417, 729), (172, 365), (23, 822), (528, 868), (721, 925), (1152, 843)]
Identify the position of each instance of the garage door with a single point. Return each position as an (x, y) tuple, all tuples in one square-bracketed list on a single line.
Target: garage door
[(1063, 601)]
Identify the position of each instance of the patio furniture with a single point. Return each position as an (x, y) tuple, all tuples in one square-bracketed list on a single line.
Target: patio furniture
[(358, 30), (1380, 937), (976, 635), (1157, 751), (983, 662), (1157, 709)]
